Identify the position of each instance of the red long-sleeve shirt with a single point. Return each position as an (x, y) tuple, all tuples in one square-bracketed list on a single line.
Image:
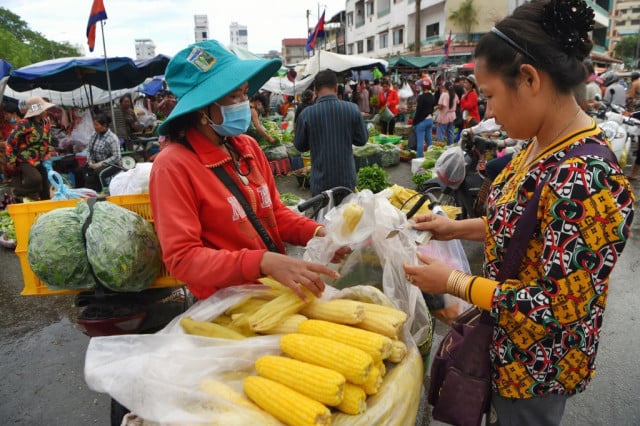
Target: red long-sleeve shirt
[(469, 102), (207, 240)]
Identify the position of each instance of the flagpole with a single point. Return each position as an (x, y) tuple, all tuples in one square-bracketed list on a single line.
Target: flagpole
[(106, 67)]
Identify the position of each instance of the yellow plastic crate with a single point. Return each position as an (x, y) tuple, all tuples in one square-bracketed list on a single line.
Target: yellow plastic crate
[(24, 215)]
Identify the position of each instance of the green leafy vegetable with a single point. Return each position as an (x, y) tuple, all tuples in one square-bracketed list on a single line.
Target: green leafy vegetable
[(373, 178)]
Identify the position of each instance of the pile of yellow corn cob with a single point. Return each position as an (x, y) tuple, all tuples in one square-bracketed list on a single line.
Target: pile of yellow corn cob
[(404, 199), (335, 353)]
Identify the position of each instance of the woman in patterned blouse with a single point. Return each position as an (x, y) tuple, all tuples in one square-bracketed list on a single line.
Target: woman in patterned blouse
[(548, 318), (27, 147)]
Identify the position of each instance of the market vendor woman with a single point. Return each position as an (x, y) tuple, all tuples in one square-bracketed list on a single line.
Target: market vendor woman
[(208, 239), (27, 147)]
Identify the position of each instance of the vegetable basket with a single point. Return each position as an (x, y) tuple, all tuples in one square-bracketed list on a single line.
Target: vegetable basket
[(24, 215)]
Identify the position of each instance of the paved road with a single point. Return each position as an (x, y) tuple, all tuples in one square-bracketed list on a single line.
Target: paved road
[(42, 353)]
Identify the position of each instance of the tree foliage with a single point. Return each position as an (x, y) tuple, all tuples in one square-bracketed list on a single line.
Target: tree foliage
[(22, 46), (465, 17), (627, 49)]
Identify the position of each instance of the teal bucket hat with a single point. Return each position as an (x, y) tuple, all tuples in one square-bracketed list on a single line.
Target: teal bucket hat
[(207, 71)]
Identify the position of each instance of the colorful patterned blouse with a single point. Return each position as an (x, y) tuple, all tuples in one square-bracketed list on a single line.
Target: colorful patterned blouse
[(29, 143), (546, 337)]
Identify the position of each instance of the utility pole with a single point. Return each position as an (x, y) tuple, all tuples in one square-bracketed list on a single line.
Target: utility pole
[(416, 44), (308, 30)]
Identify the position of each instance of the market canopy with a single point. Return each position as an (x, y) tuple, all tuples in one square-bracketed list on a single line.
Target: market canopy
[(337, 62), (82, 97), (67, 74), (417, 61)]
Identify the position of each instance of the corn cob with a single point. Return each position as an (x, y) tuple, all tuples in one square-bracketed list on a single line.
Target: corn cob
[(373, 383), (354, 400), (224, 391), (376, 345), (275, 311), (374, 308), (398, 351), (223, 320), (319, 383), (351, 362), (247, 306), (384, 320), (285, 404), (341, 311), (351, 215), (289, 325), (382, 368), (208, 329)]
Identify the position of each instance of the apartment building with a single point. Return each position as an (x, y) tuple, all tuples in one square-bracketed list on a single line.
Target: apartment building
[(201, 27), (386, 28), (625, 21), (238, 35)]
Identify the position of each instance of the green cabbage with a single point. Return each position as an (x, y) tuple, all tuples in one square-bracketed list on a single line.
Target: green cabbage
[(123, 248), (56, 251)]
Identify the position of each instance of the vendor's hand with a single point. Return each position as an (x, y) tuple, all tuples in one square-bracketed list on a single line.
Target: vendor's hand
[(339, 254), (442, 228), (296, 273), (431, 276), (95, 166)]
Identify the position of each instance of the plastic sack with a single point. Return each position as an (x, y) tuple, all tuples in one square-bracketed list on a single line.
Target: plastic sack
[(405, 91), (145, 117), (274, 153), (450, 167), (81, 134), (63, 192), (375, 259), (134, 181), (159, 376), (56, 252), (123, 248)]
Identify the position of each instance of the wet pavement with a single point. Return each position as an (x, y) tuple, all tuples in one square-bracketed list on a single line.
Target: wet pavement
[(42, 351)]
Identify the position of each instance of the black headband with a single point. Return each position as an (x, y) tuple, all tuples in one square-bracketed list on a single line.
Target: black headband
[(512, 43)]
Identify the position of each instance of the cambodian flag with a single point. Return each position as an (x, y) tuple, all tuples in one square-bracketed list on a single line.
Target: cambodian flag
[(97, 14), (318, 32)]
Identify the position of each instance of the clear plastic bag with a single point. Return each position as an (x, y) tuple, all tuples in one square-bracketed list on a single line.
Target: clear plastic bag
[(159, 376), (447, 307)]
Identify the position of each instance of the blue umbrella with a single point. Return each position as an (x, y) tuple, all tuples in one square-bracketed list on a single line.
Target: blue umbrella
[(152, 86), (5, 67), (66, 74)]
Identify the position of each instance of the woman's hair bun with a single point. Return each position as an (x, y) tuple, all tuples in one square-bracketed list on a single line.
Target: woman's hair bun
[(568, 23)]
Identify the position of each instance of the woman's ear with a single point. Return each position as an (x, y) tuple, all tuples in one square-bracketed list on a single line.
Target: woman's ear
[(530, 77)]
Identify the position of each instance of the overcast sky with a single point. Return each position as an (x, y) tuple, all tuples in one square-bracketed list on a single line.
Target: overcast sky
[(169, 23)]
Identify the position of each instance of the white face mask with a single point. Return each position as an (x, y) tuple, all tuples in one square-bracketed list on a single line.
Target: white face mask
[(235, 119)]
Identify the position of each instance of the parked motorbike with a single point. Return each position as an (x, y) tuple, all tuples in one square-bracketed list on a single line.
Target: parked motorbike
[(463, 193), (620, 127)]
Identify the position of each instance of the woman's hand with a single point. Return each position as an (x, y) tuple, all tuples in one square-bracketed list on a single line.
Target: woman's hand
[(95, 166), (339, 254), (430, 277), (442, 228), (296, 274)]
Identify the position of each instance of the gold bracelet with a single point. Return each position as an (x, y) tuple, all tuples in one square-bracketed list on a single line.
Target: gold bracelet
[(457, 284)]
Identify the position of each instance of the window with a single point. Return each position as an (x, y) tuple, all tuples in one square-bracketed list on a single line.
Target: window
[(350, 49), (383, 40), (350, 19), (370, 44), (433, 29), (369, 8), (360, 45), (242, 33), (398, 36)]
